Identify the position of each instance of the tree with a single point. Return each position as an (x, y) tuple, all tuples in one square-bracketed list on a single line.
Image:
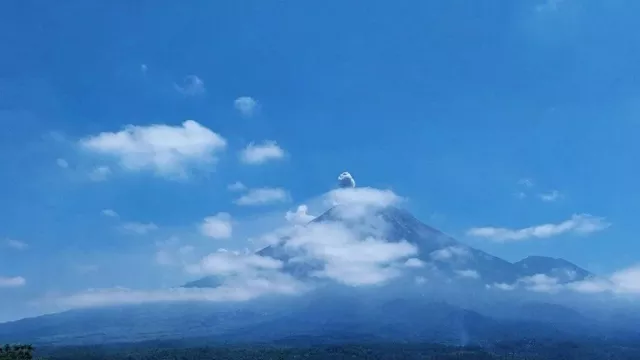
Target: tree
[(16, 352)]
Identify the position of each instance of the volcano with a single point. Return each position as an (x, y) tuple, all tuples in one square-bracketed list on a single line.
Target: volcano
[(400, 310)]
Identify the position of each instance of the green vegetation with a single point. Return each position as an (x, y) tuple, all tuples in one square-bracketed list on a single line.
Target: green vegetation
[(16, 352), (521, 350)]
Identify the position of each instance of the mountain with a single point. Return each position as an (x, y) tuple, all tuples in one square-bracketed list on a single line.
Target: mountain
[(456, 309)]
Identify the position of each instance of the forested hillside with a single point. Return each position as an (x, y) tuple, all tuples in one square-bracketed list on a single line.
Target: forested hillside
[(522, 350)]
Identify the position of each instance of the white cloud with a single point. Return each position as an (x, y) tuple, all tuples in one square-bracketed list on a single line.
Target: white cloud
[(263, 196), (62, 163), (100, 173), (346, 257), (246, 105), (625, 281), (472, 274), (255, 154), (191, 85), (300, 216), (579, 224), (139, 228), (17, 281), (233, 263), (217, 226), (345, 180), (550, 196), (241, 289), (236, 186), (414, 263), (622, 282), (364, 196), (109, 213), (164, 149), (16, 244), (450, 252)]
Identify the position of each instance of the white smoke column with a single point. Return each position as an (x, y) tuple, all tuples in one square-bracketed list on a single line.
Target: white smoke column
[(345, 180)]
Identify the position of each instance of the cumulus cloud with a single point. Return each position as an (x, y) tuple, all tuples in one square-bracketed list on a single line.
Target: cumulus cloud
[(100, 173), (263, 196), (255, 154), (362, 196), (236, 186), (109, 213), (414, 263), (217, 226), (6, 282), (345, 180), (164, 149), (139, 228), (191, 85), (16, 244), (246, 105), (356, 202), (300, 216), (347, 257), (578, 224)]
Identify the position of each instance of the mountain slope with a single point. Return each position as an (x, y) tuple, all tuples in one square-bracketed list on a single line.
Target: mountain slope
[(560, 269)]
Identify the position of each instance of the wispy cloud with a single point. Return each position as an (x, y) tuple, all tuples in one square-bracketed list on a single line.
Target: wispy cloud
[(218, 226), (526, 182), (7, 282), (579, 224), (191, 85), (139, 228), (86, 268), (100, 173), (62, 163), (109, 213), (255, 154), (236, 186), (550, 196), (549, 5), (246, 105), (449, 252), (16, 244), (166, 150), (471, 274), (263, 196)]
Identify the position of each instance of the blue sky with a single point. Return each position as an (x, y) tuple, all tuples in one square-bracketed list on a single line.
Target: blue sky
[(126, 123)]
